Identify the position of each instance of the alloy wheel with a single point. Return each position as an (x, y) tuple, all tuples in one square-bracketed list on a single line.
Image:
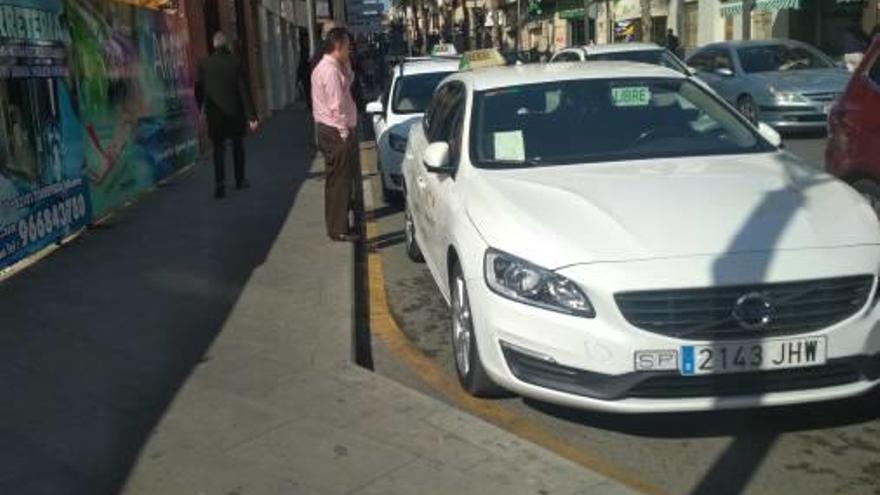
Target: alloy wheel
[(462, 327)]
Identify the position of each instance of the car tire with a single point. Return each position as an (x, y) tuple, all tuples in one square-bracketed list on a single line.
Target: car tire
[(468, 365), (746, 106), (870, 189), (413, 251)]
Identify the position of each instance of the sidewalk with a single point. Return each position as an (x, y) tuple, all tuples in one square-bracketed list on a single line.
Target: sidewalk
[(204, 347)]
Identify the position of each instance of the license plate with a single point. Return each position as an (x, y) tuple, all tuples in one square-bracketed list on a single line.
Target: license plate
[(738, 357)]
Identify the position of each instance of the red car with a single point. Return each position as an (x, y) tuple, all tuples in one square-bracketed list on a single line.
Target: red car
[(853, 151)]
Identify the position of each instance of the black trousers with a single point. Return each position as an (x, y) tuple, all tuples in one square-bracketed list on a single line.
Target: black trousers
[(220, 160)]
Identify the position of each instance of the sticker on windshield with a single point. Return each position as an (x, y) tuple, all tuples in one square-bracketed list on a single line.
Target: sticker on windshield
[(631, 96), (509, 146)]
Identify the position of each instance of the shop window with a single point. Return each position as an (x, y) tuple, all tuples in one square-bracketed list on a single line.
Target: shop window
[(577, 32), (728, 28), (762, 24)]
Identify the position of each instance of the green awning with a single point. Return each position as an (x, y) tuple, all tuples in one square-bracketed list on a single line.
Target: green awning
[(571, 14), (730, 9)]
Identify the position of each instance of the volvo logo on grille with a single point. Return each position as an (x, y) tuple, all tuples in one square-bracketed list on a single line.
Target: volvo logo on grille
[(753, 311)]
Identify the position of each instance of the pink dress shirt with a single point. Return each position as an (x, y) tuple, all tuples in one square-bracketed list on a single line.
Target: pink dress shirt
[(332, 104)]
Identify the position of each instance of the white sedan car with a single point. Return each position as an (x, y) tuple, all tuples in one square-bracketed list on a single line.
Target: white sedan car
[(614, 236), (413, 82), (646, 53)]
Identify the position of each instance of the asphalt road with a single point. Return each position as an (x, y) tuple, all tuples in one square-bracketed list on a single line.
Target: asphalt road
[(824, 449)]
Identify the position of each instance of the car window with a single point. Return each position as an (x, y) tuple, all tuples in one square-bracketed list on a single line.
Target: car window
[(655, 57), (704, 60), (441, 118), (769, 58), (609, 120), (456, 126), (567, 57), (432, 109), (413, 93), (721, 59)]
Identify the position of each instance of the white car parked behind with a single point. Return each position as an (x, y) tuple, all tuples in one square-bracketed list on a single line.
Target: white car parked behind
[(412, 85), (614, 236), (647, 53)]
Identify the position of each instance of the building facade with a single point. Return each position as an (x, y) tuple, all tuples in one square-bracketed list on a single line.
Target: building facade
[(549, 25)]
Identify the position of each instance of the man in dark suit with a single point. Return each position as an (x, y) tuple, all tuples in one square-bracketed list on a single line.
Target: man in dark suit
[(222, 92)]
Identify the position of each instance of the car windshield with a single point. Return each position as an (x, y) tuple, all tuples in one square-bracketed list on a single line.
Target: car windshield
[(654, 57), (413, 93), (606, 120), (771, 58)]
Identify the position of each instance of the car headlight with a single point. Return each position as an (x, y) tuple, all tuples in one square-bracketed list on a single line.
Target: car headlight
[(787, 96), (397, 142), (524, 282)]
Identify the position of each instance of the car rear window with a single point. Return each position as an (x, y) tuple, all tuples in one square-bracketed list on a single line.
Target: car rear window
[(413, 93)]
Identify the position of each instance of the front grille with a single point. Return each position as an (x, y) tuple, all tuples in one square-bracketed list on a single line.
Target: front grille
[(676, 386), (708, 313), (822, 97), (819, 117)]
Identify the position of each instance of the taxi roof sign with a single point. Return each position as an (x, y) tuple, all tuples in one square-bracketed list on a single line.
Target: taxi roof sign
[(444, 49), (487, 57)]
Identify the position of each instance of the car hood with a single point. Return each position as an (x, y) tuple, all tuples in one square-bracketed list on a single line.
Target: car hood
[(806, 81), (638, 210)]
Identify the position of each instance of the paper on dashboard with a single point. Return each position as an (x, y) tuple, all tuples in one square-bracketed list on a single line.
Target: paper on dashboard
[(509, 146)]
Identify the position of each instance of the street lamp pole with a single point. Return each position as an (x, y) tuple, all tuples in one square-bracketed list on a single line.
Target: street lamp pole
[(310, 15)]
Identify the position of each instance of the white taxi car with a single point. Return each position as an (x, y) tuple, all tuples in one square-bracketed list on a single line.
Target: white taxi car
[(414, 81), (614, 236), (646, 53)]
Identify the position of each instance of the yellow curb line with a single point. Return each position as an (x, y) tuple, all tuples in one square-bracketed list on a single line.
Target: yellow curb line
[(384, 328)]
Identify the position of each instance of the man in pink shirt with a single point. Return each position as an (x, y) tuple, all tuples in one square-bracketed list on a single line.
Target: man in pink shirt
[(335, 116)]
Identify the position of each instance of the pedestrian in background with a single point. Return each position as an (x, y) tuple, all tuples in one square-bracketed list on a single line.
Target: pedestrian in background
[(672, 43), (224, 97), (335, 115)]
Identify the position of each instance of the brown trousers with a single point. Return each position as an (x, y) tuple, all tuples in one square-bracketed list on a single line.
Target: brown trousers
[(341, 160)]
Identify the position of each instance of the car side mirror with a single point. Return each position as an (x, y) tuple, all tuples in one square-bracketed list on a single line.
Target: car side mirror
[(436, 158), (375, 108), (724, 72), (770, 134)]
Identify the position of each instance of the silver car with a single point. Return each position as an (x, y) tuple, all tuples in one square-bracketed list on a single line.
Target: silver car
[(787, 84)]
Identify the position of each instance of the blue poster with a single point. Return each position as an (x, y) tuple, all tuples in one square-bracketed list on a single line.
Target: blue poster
[(43, 196)]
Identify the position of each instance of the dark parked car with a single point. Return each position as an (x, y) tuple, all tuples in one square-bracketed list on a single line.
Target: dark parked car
[(853, 151)]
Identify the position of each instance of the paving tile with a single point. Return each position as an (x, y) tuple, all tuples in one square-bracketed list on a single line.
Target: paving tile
[(322, 456)]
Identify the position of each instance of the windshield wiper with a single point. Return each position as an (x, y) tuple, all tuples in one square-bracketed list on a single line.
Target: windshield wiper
[(528, 162)]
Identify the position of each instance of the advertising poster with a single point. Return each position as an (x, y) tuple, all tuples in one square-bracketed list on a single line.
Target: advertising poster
[(134, 97), (42, 193)]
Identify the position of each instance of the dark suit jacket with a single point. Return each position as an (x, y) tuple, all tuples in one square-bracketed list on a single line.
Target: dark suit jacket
[(222, 90)]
